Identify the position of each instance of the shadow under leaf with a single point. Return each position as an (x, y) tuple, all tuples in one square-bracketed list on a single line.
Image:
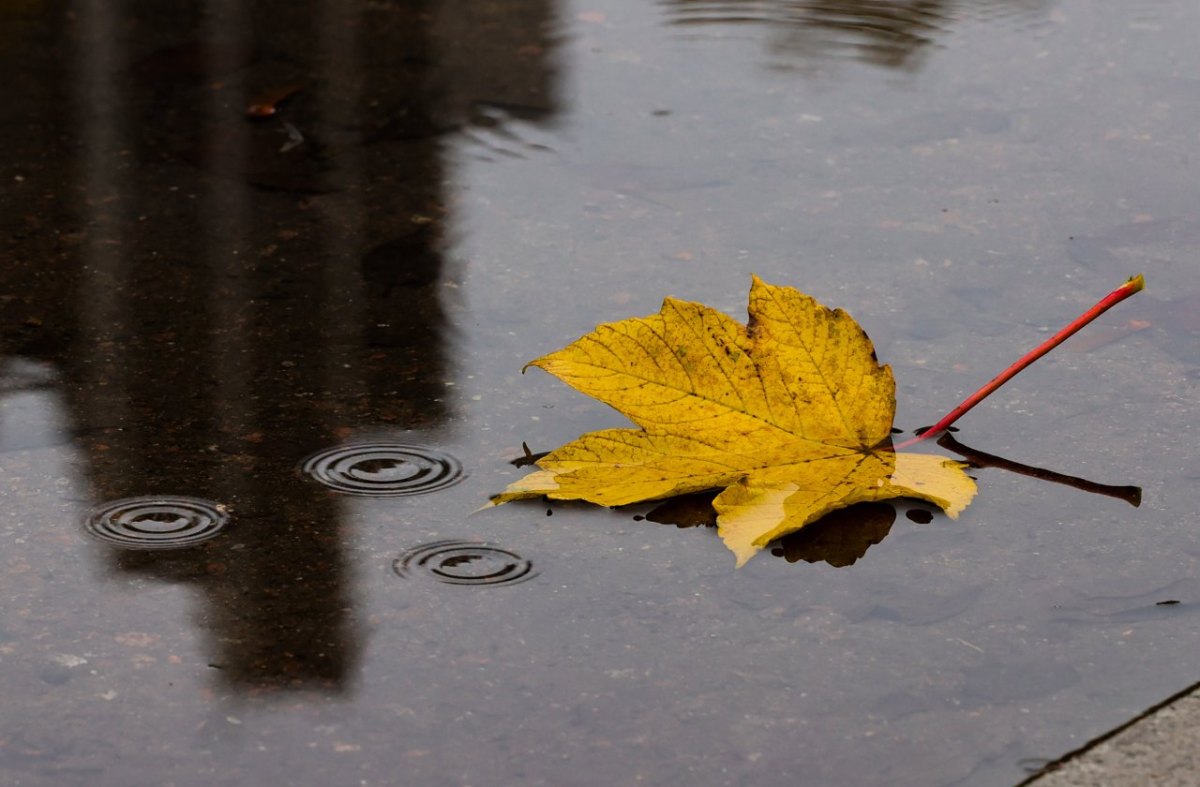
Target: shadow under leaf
[(840, 537)]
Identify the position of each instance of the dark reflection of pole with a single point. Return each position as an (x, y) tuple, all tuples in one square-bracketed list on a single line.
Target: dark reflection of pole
[(251, 291), (1130, 494), (194, 394)]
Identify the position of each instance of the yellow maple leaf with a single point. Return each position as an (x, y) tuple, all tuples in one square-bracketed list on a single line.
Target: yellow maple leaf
[(790, 416)]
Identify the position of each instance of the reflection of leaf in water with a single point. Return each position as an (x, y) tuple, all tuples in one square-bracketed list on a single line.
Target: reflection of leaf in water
[(839, 538), (529, 457), (1130, 494), (686, 511)]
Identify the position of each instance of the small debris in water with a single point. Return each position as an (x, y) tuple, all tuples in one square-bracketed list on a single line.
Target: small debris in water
[(266, 104)]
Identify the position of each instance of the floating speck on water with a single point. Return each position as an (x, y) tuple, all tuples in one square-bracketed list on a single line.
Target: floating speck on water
[(156, 522), (464, 563), (384, 469)]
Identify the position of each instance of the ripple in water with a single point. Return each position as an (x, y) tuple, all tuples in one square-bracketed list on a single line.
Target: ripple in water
[(157, 522), (384, 469), (464, 563)]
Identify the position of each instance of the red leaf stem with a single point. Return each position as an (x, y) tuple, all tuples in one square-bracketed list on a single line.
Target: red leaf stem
[(1134, 284)]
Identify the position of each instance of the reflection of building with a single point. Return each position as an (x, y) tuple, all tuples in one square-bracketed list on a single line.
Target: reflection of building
[(891, 33), (223, 296)]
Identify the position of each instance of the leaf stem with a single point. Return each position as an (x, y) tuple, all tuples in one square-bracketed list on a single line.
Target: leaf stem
[(1130, 494), (1134, 284)]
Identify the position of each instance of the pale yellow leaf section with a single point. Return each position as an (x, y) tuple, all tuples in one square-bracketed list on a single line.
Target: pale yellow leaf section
[(934, 479), (790, 414), (760, 509)]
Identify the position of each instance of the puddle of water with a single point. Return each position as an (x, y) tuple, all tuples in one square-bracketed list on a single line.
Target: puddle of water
[(199, 297)]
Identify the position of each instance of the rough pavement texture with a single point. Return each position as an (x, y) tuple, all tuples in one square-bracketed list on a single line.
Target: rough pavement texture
[(1162, 750)]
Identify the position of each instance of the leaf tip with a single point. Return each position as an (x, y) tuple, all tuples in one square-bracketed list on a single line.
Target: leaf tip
[(757, 284), (538, 362), (1136, 283)]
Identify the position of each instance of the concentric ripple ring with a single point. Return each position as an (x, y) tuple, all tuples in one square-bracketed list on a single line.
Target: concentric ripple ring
[(156, 521), (464, 563), (384, 469)]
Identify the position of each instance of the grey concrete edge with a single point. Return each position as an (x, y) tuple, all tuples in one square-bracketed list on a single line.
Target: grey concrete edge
[(1107, 752)]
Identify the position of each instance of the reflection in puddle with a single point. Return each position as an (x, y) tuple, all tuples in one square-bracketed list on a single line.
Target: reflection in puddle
[(214, 298), (685, 511), (384, 469), (464, 563), (843, 536), (880, 32), (978, 459), (919, 515), (839, 538), (155, 522)]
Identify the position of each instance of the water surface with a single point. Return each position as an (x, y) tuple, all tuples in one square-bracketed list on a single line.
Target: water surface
[(265, 315)]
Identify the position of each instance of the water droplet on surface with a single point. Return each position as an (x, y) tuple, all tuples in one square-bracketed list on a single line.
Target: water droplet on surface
[(156, 521), (464, 563), (384, 469)]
